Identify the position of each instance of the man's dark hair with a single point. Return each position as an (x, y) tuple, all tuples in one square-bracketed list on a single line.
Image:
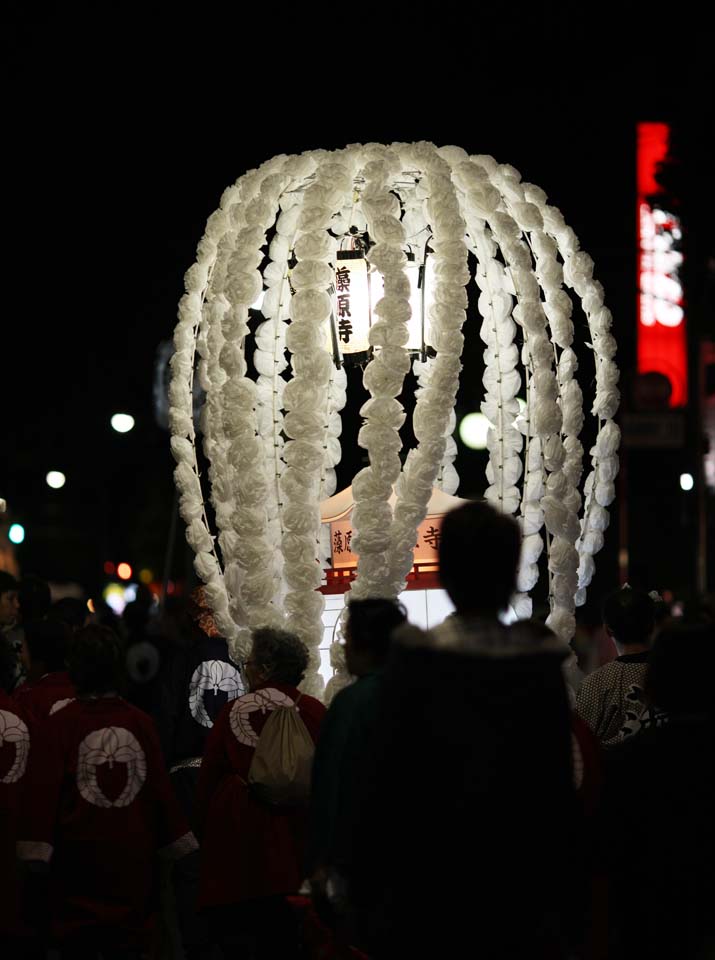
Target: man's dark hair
[(69, 610), (34, 596), (96, 661), (8, 664), (478, 557), (371, 623), (48, 643), (629, 614), (283, 652), (681, 665), (7, 582)]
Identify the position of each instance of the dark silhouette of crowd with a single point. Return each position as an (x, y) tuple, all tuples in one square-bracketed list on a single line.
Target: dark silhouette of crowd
[(467, 794)]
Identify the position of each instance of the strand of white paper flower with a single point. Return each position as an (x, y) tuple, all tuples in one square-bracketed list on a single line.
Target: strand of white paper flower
[(255, 549), (501, 378), (599, 490), (515, 278), (210, 344), (181, 413), (562, 501), (383, 379), (270, 354), (305, 398), (434, 406), (413, 196)]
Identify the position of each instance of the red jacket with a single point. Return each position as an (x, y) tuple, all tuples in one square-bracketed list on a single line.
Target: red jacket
[(99, 807), (14, 755), (46, 695), (248, 848)]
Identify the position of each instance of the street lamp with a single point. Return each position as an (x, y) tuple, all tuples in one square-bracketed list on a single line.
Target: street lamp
[(55, 479), (122, 422)]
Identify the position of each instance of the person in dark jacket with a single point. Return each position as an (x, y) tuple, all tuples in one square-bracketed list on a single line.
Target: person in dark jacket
[(347, 738), (660, 796), (468, 812)]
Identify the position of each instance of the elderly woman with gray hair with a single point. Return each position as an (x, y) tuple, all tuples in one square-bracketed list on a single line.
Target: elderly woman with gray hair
[(252, 851)]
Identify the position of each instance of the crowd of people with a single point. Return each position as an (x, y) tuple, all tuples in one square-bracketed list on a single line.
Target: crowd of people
[(469, 793)]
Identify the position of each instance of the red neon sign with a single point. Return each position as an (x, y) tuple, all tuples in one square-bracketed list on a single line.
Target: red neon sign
[(662, 343)]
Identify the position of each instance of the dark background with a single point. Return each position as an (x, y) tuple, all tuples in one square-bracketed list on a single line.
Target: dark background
[(123, 128)]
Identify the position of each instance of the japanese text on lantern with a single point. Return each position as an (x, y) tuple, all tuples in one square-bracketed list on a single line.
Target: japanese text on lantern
[(343, 554), (662, 344), (351, 302)]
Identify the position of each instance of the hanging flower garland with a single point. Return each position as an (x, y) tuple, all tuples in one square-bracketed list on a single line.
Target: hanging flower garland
[(599, 489), (562, 500), (265, 490), (306, 401), (383, 378), (433, 414)]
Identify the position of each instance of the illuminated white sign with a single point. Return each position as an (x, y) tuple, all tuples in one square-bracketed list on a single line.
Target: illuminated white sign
[(660, 287)]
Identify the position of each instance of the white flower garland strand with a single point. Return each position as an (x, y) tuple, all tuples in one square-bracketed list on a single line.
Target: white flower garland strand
[(433, 414), (187, 336), (306, 399), (502, 380), (562, 500), (383, 378), (216, 440), (599, 488)]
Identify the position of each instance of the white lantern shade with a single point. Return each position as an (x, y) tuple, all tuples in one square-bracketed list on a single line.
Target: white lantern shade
[(352, 303)]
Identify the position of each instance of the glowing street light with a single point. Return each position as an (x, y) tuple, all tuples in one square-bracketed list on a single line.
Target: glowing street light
[(473, 431), (124, 571), (55, 479), (16, 533), (686, 481), (122, 422)]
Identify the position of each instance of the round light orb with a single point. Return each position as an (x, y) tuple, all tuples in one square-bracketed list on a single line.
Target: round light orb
[(124, 571), (473, 430), (686, 481), (55, 479), (16, 533), (122, 422)]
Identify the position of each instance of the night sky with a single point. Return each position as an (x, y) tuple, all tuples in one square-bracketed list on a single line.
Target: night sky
[(123, 131)]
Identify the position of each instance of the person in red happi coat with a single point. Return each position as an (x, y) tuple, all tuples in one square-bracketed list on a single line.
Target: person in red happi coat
[(99, 810), (48, 687), (252, 852), (14, 753)]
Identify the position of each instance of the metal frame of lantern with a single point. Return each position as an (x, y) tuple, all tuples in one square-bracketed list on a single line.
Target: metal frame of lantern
[(272, 438)]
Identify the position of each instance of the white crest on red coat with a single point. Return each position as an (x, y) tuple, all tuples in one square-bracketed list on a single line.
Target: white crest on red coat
[(13, 730), (59, 704), (110, 745), (210, 677), (263, 700)]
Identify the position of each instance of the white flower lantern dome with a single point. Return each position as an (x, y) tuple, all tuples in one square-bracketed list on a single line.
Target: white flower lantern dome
[(420, 223)]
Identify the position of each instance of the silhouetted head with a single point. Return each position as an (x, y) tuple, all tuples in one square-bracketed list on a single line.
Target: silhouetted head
[(478, 558), (71, 611), (368, 629), (96, 661), (35, 599), (629, 616), (45, 646)]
